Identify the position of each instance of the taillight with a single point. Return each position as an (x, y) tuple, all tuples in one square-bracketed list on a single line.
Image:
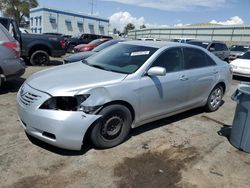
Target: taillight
[(14, 46), (62, 43)]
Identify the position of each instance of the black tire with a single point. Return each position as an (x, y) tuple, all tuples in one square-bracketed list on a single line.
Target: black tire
[(71, 48), (215, 99), (113, 128), (39, 57)]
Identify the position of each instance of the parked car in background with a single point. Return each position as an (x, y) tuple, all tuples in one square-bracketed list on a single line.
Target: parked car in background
[(241, 66), (149, 39), (83, 55), (218, 48), (90, 46), (237, 51), (35, 48), (181, 40), (58, 34), (125, 86), (11, 65), (82, 38)]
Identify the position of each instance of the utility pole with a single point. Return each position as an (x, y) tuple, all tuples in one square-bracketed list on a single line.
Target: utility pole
[(92, 4)]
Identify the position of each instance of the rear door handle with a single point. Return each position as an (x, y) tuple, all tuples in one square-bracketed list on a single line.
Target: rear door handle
[(183, 78)]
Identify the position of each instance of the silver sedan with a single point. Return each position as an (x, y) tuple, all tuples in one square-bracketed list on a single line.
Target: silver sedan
[(122, 87)]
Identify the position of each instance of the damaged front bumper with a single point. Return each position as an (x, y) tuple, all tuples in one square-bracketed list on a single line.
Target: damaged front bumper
[(64, 129)]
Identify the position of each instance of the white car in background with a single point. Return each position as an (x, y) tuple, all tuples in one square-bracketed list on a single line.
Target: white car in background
[(241, 66)]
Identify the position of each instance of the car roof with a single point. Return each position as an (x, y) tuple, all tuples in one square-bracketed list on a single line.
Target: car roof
[(156, 44)]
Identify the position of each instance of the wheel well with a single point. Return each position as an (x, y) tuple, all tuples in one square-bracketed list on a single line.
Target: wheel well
[(124, 103), (120, 102), (39, 47), (223, 85)]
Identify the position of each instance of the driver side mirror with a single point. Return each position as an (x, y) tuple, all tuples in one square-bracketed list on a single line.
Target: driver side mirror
[(156, 71)]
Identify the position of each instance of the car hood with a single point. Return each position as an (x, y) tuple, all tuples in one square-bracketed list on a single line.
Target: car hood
[(241, 63), (78, 56), (70, 79)]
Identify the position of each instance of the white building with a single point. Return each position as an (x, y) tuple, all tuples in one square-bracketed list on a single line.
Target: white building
[(47, 20)]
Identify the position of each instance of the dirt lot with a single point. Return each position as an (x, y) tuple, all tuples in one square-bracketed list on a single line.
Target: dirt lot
[(181, 151)]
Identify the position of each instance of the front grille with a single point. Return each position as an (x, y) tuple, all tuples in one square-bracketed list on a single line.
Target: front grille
[(28, 98)]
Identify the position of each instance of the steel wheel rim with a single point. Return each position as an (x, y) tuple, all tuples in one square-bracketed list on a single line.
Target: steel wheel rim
[(216, 97), (111, 127)]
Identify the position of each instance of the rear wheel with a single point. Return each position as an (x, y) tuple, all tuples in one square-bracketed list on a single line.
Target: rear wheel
[(215, 99), (39, 57), (113, 128)]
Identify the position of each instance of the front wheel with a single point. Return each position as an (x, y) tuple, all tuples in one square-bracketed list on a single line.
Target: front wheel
[(214, 99), (113, 128)]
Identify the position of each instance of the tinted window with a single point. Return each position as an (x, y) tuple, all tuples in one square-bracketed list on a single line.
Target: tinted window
[(195, 58), (245, 56), (220, 47), (239, 48), (122, 58), (171, 60)]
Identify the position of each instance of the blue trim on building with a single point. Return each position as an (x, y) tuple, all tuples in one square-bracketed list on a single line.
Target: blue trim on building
[(68, 13)]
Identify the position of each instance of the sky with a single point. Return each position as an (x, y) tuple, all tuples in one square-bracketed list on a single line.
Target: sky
[(159, 13)]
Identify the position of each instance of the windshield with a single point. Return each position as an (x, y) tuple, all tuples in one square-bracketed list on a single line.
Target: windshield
[(239, 48), (198, 43), (121, 58), (97, 42), (245, 56), (105, 45)]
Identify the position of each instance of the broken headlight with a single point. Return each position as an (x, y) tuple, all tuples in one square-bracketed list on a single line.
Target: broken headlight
[(64, 103)]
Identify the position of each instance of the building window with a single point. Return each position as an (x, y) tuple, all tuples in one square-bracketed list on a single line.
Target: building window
[(101, 29), (31, 21), (91, 28), (52, 19), (40, 20)]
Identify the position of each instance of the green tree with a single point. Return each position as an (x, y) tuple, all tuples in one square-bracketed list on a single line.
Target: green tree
[(128, 27), (114, 31), (142, 26), (17, 9)]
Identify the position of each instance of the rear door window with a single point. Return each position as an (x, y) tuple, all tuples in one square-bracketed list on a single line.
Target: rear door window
[(195, 58)]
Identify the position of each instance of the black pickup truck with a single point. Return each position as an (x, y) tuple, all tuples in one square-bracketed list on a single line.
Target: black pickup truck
[(35, 47), (82, 38)]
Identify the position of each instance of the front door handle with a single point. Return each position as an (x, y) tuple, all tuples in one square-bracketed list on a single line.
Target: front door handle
[(183, 78)]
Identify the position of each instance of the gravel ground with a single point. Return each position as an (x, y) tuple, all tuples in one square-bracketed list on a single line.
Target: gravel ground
[(181, 151)]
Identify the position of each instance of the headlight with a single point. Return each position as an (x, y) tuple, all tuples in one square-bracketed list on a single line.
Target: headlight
[(64, 103)]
